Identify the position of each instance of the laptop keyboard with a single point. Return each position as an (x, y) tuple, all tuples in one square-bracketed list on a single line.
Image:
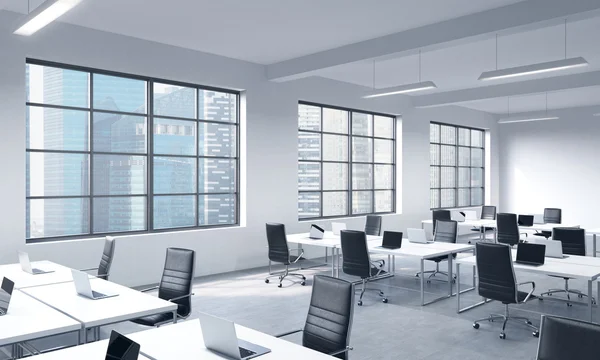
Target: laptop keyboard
[(37, 271), (244, 353), (97, 294)]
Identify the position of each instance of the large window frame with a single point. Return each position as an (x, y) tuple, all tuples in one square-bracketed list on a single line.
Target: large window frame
[(350, 162), (438, 164), (149, 155)]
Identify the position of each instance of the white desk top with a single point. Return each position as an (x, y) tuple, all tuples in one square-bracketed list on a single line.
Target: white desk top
[(423, 251), (188, 334), (545, 227), (91, 351), (24, 280), (29, 319), (473, 223), (595, 231), (130, 304), (329, 240)]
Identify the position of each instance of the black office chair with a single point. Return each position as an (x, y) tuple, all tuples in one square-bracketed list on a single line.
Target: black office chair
[(445, 231), (329, 320), (441, 215), (175, 286), (280, 252), (551, 216), (356, 260), (373, 225), (103, 270), (573, 243), (488, 212), (496, 281), (507, 229), (563, 338)]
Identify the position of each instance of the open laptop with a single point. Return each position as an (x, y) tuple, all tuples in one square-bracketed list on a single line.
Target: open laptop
[(316, 232), (220, 337), (121, 348), (391, 240), (458, 216), (84, 287), (538, 218), (418, 236), (337, 227), (470, 215), (5, 294), (553, 248), (26, 265), (531, 254), (525, 220)]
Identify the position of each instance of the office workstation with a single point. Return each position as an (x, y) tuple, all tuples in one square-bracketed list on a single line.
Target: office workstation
[(299, 180)]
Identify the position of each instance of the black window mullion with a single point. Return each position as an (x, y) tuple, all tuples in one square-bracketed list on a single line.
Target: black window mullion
[(350, 163), (150, 154), (322, 195), (91, 159), (197, 146)]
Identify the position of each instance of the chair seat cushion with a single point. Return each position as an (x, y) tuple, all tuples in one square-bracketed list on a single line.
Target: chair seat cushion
[(152, 320)]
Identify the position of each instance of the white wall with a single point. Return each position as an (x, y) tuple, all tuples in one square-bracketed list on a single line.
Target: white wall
[(269, 159)]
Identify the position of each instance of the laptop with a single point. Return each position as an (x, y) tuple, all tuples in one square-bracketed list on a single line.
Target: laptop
[(5, 294), (337, 227), (84, 287), (531, 254), (121, 348), (525, 220), (316, 232), (553, 248), (26, 265), (458, 216), (538, 218), (418, 236), (391, 240), (220, 337), (471, 215)]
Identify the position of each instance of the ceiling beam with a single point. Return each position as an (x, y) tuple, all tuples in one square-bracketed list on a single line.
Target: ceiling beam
[(556, 83), (449, 33)]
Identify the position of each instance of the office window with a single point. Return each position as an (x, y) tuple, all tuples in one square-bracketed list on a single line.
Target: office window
[(456, 166), (346, 162), (111, 153)]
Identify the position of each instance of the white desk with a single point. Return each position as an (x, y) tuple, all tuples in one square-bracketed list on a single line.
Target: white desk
[(545, 227), (91, 351), (22, 279), (129, 305), (480, 224), (184, 341)]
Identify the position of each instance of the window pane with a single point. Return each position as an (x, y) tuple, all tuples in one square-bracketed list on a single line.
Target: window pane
[(477, 138), (448, 177), (335, 176), (384, 176), (464, 156), (448, 156), (434, 154), (384, 126), (477, 157), (434, 133), (464, 136), (309, 205), (57, 129), (309, 176), (448, 134), (119, 175), (464, 197), (464, 177), (476, 177), (119, 94), (172, 100), (216, 175), (476, 196), (335, 121), (362, 202), (174, 175), (384, 151), (217, 140), (309, 146), (434, 198), (58, 217), (217, 106), (51, 174), (174, 137), (118, 214), (362, 124), (362, 149), (335, 148), (174, 211), (309, 117), (447, 199), (54, 86), (434, 177), (383, 201), (335, 203), (362, 176), (216, 209), (119, 133)]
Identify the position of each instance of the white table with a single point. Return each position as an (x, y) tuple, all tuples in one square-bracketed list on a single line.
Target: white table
[(480, 224), (22, 279), (128, 305), (91, 351)]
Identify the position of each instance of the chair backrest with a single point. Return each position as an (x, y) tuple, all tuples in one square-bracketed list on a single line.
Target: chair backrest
[(177, 278), (445, 231), (562, 338), (107, 257), (572, 239), (373, 225), (552, 216), (278, 246), (329, 319), (507, 229), (442, 215), (488, 212), (495, 273), (356, 260)]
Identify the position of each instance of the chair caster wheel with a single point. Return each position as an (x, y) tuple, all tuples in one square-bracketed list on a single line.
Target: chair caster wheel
[(549, 294), (359, 302), (303, 278), (536, 334), (267, 281), (580, 296), (540, 298), (303, 283), (429, 281), (279, 286), (381, 293), (475, 326), (417, 275), (385, 300), (502, 336), (529, 322), (569, 305)]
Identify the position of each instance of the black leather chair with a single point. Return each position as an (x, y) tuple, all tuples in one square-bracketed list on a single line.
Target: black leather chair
[(329, 320), (488, 212), (573, 243), (373, 225), (103, 270), (356, 260), (441, 215), (445, 231), (507, 229), (279, 252), (551, 216), (563, 338), (497, 281), (175, 286)]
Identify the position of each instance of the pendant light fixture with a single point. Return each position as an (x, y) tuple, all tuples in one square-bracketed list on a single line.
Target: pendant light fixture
[(43, 15), (543, 117)]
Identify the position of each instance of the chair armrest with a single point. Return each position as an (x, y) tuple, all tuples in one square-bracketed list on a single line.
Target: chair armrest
[(532, 289), (181, 297), (90, 269), (348, 348), (149, 289), (288, 333), (299, 255)]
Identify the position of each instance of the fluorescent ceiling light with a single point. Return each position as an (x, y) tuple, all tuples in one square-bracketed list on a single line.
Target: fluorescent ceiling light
[(402, 89), (44, 14), (598, 114), (534, 69), (516, 120)]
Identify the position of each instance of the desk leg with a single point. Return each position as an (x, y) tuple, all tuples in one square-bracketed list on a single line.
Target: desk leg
[(590, 283), (394, 264), (389, 264), (449, 275), (457, 288), (326, 254), (333, 262), (594, 245), (422, 282), (175, 317), (339, 259)]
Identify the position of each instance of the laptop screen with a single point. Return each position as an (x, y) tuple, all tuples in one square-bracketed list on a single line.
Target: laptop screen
[(531, 253), (392, 239), (525, 220), (121, 348), (5, 294)]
